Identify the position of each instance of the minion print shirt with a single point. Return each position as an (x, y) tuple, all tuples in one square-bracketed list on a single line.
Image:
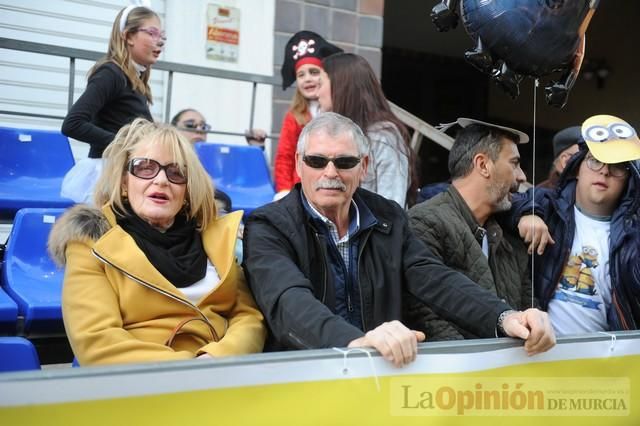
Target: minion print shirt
[(583, 295)]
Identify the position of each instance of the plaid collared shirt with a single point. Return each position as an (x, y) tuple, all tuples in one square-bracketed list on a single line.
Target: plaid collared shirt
[(342, 244)]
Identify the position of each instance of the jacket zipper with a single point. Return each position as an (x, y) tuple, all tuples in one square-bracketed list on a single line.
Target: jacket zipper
[(560, 268), (159, 290), (299, 341), (614, 299), (360, 250), (348, 285), (324, 269)]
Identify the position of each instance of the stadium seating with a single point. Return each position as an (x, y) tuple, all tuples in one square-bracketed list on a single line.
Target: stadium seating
[(29, 276), (8, 313), (240, 171), (17, 354), (32, 166)]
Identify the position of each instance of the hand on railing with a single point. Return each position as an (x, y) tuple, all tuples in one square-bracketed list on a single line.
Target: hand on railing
[(255, 137)]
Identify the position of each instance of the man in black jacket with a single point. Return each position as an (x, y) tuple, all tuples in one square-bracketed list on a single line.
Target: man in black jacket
[(328, 263)]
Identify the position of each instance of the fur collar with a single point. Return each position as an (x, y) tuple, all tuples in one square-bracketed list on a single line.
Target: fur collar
[(80, 223)]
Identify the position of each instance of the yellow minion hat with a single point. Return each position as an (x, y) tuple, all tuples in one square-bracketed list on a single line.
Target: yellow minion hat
[(611, 139)]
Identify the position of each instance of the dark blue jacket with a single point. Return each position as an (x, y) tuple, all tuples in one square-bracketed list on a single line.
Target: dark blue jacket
[(555, 206)]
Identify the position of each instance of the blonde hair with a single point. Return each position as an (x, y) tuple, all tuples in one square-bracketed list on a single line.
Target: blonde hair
[(300, 108), (119, 54), (199, 192)]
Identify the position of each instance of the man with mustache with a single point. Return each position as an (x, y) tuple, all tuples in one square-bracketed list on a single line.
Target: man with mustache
[(328, 263), (459, 226)]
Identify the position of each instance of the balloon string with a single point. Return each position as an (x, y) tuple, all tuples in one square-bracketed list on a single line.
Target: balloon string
[(536, 83)]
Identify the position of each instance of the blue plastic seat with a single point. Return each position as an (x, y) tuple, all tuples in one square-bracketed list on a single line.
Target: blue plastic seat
[(32, 166), (8, 313), (29, 275), (240, 171), (17, 354)]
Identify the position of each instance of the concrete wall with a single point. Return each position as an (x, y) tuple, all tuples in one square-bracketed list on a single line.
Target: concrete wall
[(226, 104)]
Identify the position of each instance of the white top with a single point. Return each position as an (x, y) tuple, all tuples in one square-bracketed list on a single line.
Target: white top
[(388, 173), (583, 295), (210, 282)]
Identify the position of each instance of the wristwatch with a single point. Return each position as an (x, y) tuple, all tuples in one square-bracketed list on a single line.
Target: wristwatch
[(501, 318)]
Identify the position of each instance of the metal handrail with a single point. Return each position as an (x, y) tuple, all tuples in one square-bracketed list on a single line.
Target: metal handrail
[(170, 67), (421, 128), (426, 348)]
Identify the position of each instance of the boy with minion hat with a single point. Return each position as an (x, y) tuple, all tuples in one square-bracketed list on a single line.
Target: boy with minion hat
[(594, 210)]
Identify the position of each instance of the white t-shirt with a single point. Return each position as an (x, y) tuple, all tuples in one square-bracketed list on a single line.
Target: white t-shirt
[(583, 295)]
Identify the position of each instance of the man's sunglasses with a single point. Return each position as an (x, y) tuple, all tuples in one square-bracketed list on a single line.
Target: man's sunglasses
[(341, 163), (194, 125), (146, 168)]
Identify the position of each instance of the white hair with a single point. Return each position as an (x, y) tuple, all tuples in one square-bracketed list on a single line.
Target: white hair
[(333, 125)]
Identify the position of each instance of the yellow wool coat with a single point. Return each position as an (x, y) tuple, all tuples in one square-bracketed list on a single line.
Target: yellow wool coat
[(118, 308)]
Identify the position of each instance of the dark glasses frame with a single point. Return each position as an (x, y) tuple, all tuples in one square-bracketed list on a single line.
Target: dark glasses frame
[(617, 170), (341, 163), (138, 165), (192, 126)]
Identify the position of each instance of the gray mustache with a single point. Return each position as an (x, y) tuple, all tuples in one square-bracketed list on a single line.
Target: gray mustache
[(330, 184)]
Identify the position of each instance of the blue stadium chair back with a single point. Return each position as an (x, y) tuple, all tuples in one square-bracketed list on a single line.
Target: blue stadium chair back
[(8, 313), (17, 354), (240, 171), (32, 166), (29, 275)]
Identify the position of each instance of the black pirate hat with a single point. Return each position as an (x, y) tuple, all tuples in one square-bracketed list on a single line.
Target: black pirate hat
[(304, 47)]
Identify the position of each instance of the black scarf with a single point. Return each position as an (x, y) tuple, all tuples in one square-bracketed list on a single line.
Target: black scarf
[(177, 254)]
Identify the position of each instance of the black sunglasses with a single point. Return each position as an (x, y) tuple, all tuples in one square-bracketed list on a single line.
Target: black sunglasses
[(341, 163), (194, 125), (146, 168)]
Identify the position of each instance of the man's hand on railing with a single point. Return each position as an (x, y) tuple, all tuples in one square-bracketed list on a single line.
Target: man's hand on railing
[(395, 342), (533, 326)]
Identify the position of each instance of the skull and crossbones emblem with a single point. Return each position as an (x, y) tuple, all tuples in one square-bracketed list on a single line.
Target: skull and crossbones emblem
[(302, 48)]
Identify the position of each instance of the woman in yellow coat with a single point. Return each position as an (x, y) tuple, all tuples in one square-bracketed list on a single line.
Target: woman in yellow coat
[(152, 276)]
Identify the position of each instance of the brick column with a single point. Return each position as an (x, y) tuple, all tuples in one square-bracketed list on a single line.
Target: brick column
[(353, 25)]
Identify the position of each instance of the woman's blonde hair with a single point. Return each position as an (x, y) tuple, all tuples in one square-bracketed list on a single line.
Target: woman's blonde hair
[(119, 54), (300, 108), (199, 192)]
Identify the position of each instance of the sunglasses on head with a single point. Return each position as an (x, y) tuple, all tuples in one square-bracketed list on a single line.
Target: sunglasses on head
[(146, 168), (195, 125), (320, 161)]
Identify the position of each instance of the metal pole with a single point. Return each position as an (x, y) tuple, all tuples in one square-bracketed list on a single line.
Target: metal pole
[(167, 105), (72, 81), (253, 104)]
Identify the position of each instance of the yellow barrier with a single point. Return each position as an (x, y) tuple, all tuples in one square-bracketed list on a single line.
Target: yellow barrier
[(578, 382)]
